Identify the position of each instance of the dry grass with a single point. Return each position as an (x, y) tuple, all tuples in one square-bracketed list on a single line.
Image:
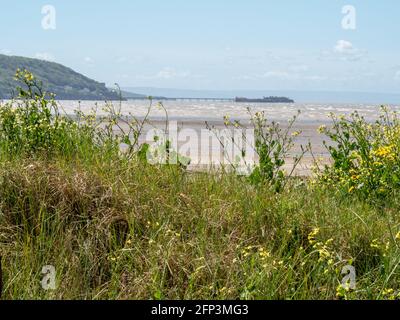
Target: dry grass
[(131, 231)]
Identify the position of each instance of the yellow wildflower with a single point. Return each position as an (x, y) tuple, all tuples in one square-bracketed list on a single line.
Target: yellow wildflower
[(375, 244), (312, 235), (322, 129)]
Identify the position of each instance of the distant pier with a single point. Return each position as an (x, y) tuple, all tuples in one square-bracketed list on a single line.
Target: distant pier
[(186, 99), (237, 99)]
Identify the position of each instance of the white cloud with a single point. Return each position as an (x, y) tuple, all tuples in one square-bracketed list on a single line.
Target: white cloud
[(315, 78), (88, 61), (291, 76), (299, 68), (347, 51), (6, 52), (281, 75), (343, 46), (44, 56), (167, 73), (397, 76), (171, 73), (277, 74), (244, 77)]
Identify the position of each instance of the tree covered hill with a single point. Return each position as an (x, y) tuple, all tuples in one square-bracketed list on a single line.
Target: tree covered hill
[(64, 82)]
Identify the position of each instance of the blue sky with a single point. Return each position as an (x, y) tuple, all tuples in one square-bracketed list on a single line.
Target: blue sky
[(214, 44)]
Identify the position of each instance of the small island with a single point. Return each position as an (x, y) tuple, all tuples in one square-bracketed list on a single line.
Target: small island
[(265, 100)]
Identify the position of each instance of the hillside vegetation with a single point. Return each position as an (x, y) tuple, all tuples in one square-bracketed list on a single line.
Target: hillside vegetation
[(58, 79)]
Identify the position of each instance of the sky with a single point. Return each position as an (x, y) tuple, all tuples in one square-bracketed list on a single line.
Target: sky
[(321, 45)]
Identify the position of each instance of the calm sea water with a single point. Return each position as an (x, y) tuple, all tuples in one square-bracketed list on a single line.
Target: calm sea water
[(214, 111)]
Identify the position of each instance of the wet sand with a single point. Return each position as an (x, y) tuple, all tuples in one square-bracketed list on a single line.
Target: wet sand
[(309, 134)]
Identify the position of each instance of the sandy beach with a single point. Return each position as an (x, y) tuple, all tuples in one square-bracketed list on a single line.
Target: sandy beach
[(201, 160)]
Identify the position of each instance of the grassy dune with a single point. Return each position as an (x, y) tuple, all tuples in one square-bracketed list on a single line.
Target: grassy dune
[(122, 230)]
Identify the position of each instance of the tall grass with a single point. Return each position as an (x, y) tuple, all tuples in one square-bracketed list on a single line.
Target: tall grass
[(115, 227)]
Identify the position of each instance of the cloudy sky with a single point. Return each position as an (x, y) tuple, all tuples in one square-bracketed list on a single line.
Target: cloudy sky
[(214, 44)]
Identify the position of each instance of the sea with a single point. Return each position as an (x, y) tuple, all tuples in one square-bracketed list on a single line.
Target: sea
[(216, 110)]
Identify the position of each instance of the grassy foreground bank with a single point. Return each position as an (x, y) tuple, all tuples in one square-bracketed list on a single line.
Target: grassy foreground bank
[(130, 231), (115, 227)]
